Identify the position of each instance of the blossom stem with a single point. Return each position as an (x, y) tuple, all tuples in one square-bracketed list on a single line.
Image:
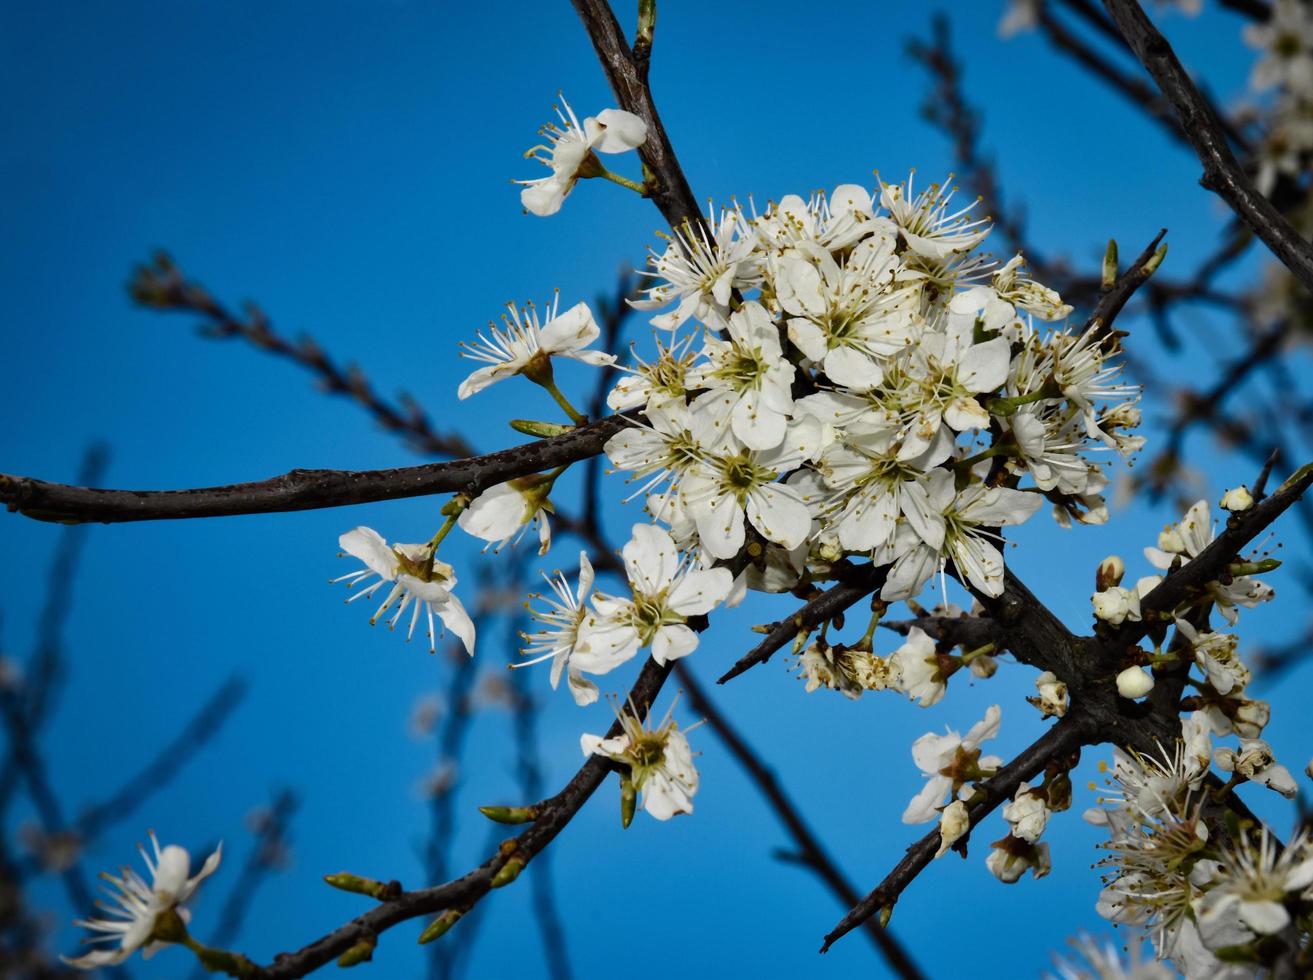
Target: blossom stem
[(877, 611), (549, 384), (633, 185), (982, 651), (221, 960)]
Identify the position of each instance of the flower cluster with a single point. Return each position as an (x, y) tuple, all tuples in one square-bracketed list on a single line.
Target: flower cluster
[(1198, 896)]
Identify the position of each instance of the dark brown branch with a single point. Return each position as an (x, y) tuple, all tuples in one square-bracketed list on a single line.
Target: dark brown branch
[(1222, 172), (859, 583), (666, 184), (810, 853), (1062, 739), (305, 489), (471, 887)]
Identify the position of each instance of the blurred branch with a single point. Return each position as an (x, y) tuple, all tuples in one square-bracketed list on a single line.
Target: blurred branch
[(268, 853), (810, 853), (161, 285)]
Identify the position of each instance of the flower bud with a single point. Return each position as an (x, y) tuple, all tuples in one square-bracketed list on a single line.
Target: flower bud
[(954, 821), (1116, 605), (1238, 499), (1170, 540), (1110, 573), (1134, 683), (440, 925), (1052, 699)]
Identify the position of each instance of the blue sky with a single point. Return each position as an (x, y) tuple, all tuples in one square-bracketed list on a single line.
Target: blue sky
[(346, 165)]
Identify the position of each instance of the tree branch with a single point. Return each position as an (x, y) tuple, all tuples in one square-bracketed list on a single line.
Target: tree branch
[(305, 489), (1065, 737), (1222, 172)]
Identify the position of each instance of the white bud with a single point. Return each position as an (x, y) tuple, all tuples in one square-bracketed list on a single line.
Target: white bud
[(1110, 572), (1170, 540), (1134, 683), (1237, 500), (1116, 605), (954, 821)]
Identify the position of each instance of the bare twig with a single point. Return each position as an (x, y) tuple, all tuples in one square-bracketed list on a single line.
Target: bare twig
[(1222, 172), (809, 852)]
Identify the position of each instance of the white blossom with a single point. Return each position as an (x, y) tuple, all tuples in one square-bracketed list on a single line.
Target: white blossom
[(569, 153), (523, 345), (134, 907), (418, 579), (665, 592), (660, 762), (950, 761), (558, 638)]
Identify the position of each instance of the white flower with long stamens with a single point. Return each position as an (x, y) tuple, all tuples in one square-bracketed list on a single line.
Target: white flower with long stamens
[(658, 453), (949, 762), (747, 379), (1187, 540), (570, 153), (1104, 962), (955, 371), (656, 383), (847, 319), (925, 223), (526, 345), (559, 637), (1250, 890), (1031, 296), (869, 486), (956, 530), (664, 593), (1082, 373), (735, 482), (134, 907), (835, 223), (1286, 39), (659, 759), (418, 579), (701, 271), (501, 514), (1215, 654)]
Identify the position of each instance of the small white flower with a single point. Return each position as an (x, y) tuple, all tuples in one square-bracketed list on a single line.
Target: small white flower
[(1134, 683), (1014, 857), (665, 592), (1215, 653), (1028, 294), (949, 762), (1116, 605), (1255, 762), (660, 762), (1237, 499), (917, 670), (417, 578), (701, 272), (1027, 813), (954, 821), (1247, 897), (134, 907), (501, 514), (926, 224), (559, 637), (747, 379), (569, 153), (525, 346)]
